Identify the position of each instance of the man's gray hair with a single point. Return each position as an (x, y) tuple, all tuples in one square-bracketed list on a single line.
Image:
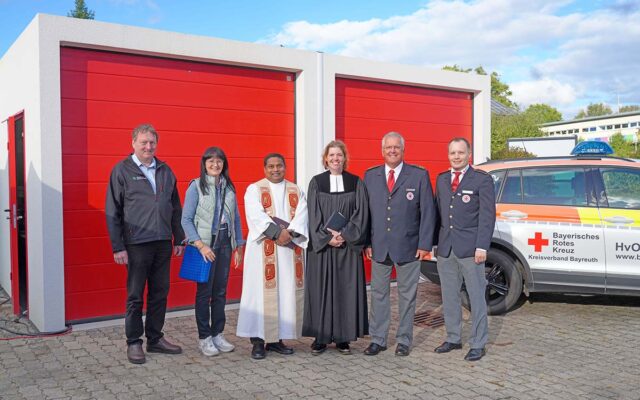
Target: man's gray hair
[(393, 135), (144, 128)]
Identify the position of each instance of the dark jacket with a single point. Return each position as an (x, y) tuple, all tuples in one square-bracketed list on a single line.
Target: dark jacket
[(137, 215), (468, 216), (401, 221)]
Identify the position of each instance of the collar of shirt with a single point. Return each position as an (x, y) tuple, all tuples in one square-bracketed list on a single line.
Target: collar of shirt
[(464, 171), (396, 170), (140, 164)]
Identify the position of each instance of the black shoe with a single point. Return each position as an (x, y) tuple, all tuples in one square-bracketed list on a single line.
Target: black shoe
[(475, 354), (258, 352), (402, 350), (374, 349), (317, 348), (279, 347), (163, 346), (135, 354), (343, 348), (447, 347)]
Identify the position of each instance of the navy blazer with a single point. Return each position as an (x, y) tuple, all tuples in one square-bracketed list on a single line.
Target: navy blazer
[(468, 216), (401, 221)]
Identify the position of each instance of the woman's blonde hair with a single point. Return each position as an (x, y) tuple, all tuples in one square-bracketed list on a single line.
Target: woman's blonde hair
[(339, 144)]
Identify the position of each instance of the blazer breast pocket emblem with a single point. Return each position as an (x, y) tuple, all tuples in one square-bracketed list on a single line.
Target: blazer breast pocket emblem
[(466, 198), (410, 196)]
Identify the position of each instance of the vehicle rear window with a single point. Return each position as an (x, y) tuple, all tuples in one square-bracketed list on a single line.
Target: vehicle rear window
[(622, 187), (512, 192), (554, 186)]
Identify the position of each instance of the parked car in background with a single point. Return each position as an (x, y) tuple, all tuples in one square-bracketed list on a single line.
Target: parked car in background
[(563, 224)]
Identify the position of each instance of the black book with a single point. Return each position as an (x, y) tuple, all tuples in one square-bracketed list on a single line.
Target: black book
[(284, 225), (336, 221)]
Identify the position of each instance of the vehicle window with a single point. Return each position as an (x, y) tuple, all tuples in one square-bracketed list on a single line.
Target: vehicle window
[(554, 186), (512, 192), (622, 187), (498, 179)]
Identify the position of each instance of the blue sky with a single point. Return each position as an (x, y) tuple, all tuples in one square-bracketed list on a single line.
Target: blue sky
[(560, 52)]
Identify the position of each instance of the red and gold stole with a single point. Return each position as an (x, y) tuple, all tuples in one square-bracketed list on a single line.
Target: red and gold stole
[(270, 264)]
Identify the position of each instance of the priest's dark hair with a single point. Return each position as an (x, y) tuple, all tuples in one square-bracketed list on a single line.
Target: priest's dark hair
[(214, 152), (271, 155)]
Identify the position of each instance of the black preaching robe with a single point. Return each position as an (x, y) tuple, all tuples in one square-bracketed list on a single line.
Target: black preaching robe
[(335, 298)]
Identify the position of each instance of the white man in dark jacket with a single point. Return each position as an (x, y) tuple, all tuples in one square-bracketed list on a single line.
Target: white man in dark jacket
[(143, 216)]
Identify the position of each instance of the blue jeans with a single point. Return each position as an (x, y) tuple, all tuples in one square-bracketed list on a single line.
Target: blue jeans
[(211, 296)]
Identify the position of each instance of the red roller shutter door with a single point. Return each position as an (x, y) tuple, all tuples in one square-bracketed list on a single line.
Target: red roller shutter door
[(247, 112), (427, 118)]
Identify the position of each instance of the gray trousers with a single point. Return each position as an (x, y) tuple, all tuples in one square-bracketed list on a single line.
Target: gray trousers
[(452, 271), (407, 276)]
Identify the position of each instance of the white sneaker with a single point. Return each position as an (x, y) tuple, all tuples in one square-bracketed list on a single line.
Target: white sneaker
[(221, 344), (207, 347)]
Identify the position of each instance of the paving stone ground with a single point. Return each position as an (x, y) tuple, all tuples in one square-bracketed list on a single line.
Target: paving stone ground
[(554, 347)]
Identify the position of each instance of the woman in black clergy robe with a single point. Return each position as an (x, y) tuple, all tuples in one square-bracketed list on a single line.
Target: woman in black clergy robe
[(335, 303)]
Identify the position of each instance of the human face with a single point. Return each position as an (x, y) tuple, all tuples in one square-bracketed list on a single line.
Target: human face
[(392, 151), (214, 166), (274, 170), (458, 155), (144, 147), (335, 160)]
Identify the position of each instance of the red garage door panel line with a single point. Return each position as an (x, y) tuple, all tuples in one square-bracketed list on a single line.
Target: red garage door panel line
[(247, 112)]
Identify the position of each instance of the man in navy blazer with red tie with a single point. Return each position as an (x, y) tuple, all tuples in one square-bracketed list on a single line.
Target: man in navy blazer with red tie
[(466, 203), (402, 224)]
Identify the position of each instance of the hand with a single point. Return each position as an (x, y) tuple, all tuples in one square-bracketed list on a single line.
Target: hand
[(207, 253), (178, 250), (368, 253), (284, 238), (238, 257), (121, 257), (336, 241), (423, 255), (480, 256), (334, 233)]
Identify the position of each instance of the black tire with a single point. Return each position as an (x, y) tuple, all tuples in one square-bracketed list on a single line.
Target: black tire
[(504, 283)]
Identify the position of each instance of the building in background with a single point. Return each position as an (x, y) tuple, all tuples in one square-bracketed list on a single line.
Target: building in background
[(598, 128), (73, 90)]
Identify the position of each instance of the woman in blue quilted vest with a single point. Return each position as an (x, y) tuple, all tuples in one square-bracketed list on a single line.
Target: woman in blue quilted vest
[(211, 222)]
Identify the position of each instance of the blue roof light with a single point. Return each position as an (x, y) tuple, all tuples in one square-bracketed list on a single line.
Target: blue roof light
[(592, 147)]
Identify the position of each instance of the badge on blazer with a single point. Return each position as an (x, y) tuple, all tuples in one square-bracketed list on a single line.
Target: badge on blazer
[(410, 196), (466, 198)]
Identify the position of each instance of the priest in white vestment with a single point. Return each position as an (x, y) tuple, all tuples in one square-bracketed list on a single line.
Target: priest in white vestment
[(271, 307)]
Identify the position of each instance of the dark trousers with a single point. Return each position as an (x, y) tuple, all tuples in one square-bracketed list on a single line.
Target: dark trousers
[(149, 264), (211, 296)]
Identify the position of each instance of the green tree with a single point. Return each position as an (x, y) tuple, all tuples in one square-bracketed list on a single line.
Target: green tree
[(81, 11), (542, 113), (499, 90), (504, 127), (621, 147), (629, 108), (594, 110)]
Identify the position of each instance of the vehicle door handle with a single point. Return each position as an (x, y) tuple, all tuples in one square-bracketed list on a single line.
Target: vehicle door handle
[(618, 219), (514, 214)]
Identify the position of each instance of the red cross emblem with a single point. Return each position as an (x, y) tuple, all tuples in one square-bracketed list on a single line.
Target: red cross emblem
[(537, 242)]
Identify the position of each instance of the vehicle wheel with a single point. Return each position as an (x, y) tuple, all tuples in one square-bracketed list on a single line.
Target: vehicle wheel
[(504, 283)]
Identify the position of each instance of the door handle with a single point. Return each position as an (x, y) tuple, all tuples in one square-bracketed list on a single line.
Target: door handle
[(618, 219), (513, 214)]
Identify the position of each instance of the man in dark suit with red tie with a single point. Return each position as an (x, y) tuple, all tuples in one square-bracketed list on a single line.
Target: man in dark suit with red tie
[(466, 204), (402, 225)]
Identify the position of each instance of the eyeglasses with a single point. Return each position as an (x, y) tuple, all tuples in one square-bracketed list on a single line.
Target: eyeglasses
[(215, 162)]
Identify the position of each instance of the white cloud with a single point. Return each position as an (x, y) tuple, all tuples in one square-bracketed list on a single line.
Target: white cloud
[(546, 91), (544, 53)]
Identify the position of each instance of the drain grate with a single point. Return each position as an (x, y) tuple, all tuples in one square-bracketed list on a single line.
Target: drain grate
[(429, 319)]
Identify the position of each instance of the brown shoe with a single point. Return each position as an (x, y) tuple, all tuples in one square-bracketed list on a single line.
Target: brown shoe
[(163, 346), (135, 354)]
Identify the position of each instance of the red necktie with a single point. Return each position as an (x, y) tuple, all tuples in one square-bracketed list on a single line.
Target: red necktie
[(391, 180), (456, 181)]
